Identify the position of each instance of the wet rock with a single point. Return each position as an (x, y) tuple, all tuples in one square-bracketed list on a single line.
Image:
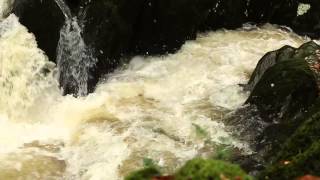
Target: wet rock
[(146, 173), (286, 12), (226, 14), (273, 11), (300, 153), (197, 168), (74, 5), (44, 19), (309, 22), (280, 82), (107, 33), (267, 61), (117, 29), (284, 87), (202, 169)]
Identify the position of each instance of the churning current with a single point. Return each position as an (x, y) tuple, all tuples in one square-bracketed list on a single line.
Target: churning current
[(152, 107)]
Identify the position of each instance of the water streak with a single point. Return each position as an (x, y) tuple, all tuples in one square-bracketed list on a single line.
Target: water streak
[(74, 58)]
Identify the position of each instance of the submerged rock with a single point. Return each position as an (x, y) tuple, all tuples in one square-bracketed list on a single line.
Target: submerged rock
[(44, 19)]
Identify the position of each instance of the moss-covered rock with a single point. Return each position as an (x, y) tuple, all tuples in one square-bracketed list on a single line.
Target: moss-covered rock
[(284, 86), (281, 78), (300, 155), (201, 169), (195, 169), (144, 174)]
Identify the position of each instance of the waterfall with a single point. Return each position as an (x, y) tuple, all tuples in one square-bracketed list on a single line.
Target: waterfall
[(154, 107), (74, 58)]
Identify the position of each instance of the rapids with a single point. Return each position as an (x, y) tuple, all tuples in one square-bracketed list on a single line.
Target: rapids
[(167, 108)]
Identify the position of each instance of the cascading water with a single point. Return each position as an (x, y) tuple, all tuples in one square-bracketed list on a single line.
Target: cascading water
[(5, 7), (74, 58), (152, 108)]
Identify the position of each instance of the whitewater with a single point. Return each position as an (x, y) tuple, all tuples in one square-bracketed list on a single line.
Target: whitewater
[(152, 107)]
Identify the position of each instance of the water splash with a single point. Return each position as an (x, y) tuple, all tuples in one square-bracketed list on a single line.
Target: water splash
[(151, 108), (5, 8), (74, 58), (25, 72)]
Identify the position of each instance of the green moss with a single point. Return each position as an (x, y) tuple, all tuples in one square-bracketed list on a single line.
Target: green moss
[(200, 132), (223, 152), (306, 162), (144, 174), (301, 151), (147, 162), (200, 169)]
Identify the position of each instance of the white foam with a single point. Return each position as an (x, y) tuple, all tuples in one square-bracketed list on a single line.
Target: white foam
[(5, 8), (153, 107)]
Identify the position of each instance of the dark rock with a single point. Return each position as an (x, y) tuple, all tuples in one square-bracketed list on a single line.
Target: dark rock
[(274, 11), (300, 154), (267, 61), (44, 19), (202, 169), (108, 33), (308, 23), (163, 25), (74, 5), (115, 30), (119, 28), (285, 12), (281, 80), (143, 174), (226, 14), (143, 27), (284, 86)]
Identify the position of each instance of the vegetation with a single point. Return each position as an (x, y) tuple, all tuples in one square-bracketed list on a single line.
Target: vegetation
[(196, 169), (201, 169)]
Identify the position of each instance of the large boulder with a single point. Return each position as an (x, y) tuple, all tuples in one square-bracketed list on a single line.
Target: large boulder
[(119, 28), (284, 87), (280, 82), (44, 19)]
